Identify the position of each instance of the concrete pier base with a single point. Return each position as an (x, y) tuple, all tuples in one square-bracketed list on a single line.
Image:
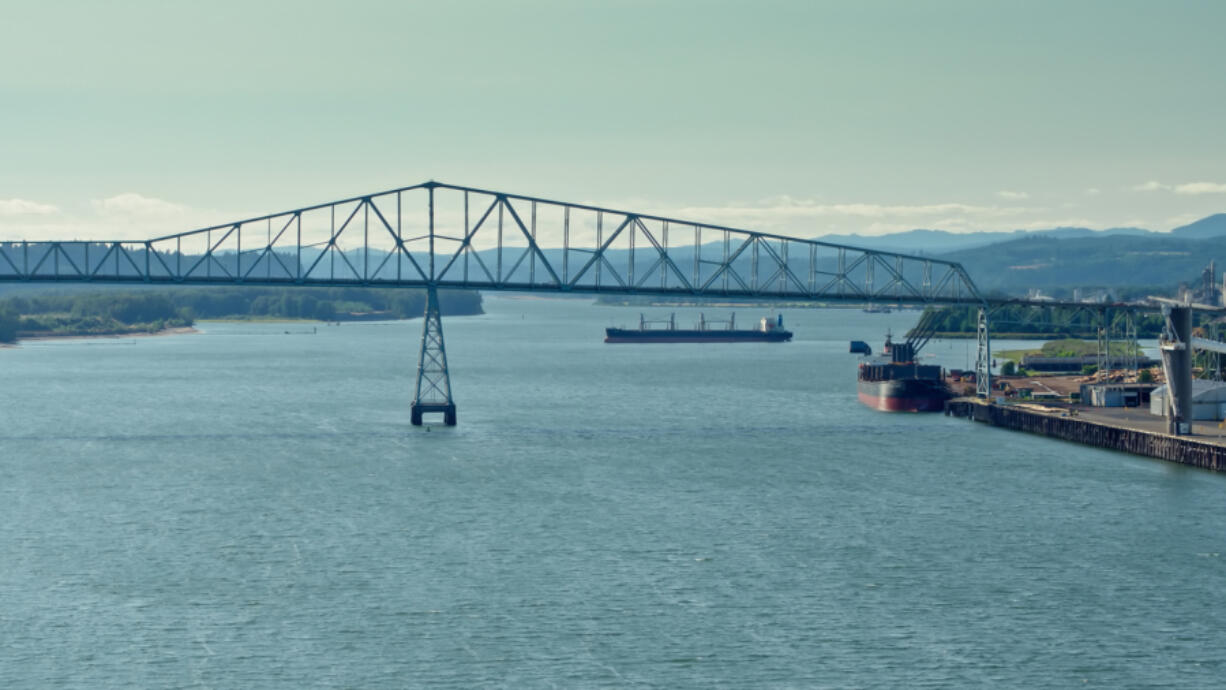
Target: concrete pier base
[(1062, 424), (419, 409)]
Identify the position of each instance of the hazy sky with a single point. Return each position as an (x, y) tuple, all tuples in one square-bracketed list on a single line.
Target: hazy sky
[(133, 118)]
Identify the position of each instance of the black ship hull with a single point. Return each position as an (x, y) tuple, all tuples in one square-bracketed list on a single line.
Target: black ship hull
[(626, 335)]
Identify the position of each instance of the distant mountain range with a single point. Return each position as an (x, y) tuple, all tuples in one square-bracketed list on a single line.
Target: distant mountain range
[(1127, 261), (1131, 266), (937, 242), (1209, 226)]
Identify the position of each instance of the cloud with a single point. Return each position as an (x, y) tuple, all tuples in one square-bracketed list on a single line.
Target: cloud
[(133, 216), (1187, 188), (789, 209), (1201, 188), (133, 205), (128, 216), (11, 208), (1014, 196), (804, 218), (796, 217), (1093, 191)]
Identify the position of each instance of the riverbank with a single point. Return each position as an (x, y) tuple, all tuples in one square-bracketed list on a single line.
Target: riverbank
[(101, 312), (965, 335), (178, 330), (714, 303)]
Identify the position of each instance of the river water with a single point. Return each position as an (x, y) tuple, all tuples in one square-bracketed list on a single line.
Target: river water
[(249, 507)]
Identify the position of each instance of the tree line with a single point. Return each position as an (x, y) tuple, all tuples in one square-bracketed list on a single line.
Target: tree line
[(1052, 322), (111, 312)]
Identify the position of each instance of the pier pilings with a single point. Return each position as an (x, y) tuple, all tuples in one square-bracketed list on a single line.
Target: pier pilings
[(1184, 450)]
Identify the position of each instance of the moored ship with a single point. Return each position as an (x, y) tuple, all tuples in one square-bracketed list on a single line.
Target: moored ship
[(769, 330), (896, 382)]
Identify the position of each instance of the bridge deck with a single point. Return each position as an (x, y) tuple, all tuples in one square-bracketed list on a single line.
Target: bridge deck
[(449, 236)]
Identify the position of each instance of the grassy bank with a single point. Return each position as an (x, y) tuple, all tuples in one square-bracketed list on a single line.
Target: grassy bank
[(1066, 347)]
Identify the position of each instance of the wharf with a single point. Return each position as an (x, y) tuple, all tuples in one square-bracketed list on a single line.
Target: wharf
[(1130, 430)]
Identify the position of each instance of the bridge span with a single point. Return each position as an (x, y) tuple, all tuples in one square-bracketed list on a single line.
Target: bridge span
[(435, 235)]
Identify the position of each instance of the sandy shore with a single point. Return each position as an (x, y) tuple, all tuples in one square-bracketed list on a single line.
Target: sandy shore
[(185, 330)]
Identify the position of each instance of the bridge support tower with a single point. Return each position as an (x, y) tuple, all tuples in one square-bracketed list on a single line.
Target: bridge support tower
[(983, 357), (433, 381), (1106, 362), (1176, 347)]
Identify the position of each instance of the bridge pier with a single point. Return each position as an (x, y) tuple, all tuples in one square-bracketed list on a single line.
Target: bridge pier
[(1176, 347), (433, 381), (983, 357)]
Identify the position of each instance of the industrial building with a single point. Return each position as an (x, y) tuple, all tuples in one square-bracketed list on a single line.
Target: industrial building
[(1208, 400), (1117, 394)]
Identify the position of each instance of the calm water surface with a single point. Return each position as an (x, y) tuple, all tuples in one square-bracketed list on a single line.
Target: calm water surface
[(249, 507)]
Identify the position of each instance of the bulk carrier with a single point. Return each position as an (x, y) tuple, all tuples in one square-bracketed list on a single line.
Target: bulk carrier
[(895, 381), (769, 330)]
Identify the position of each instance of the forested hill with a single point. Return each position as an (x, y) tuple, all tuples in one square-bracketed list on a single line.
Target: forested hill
[(1122, 262), (118, 311), (1128, 260)]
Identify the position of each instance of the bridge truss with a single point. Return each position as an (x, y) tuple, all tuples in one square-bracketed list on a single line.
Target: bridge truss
[(436, 235)]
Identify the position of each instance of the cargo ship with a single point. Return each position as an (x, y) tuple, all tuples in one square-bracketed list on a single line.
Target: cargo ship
[(894, 381), (769, 330)]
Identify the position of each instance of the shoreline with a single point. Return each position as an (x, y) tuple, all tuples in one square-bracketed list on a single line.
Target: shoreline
[(260, 320), (180, 330), (190, 330), (1019, 336), (1104, 427)]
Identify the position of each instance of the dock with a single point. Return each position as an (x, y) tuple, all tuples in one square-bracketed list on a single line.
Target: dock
[(1129, 430)]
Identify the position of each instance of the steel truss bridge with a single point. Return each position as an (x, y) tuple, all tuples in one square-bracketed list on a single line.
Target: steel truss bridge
[(434, 235)]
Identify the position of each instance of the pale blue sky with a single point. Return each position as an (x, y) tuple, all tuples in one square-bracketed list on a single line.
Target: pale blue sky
[(796, 117)]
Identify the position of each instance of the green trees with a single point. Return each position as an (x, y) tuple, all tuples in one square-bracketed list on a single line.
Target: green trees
[(1039, 321), (326, 304), (324, 311), (9, 321), (124, 311)]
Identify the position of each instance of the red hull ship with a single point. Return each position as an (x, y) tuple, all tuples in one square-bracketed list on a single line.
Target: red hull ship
[(895, 382), (905, 395)]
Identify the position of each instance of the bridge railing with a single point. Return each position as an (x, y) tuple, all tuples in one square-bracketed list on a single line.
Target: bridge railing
[(452, 236)]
